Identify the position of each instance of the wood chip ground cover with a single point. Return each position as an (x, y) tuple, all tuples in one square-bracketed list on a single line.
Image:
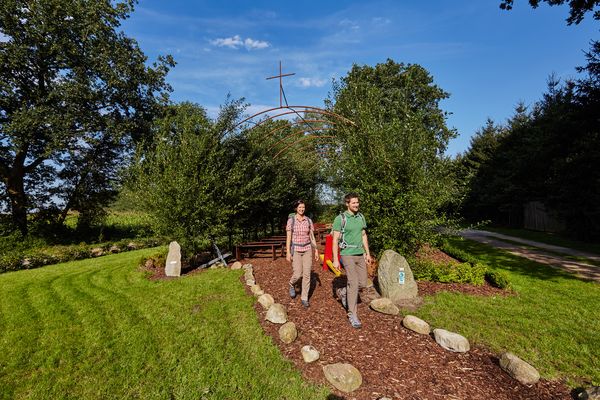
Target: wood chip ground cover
[(394, 362)]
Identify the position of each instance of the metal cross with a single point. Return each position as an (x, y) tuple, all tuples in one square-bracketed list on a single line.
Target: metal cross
[(280, 83)]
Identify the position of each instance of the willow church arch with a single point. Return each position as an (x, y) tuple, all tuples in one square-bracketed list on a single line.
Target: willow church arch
[(311, 123)]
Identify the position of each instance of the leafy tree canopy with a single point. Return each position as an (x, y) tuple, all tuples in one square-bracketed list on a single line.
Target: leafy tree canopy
[(578, 8), (74, 93), (394, 158)]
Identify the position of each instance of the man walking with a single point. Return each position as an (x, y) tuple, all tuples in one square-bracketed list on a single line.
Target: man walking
[(350, 236)]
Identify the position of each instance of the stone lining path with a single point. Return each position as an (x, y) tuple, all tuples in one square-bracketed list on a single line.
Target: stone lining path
[(580, 269)]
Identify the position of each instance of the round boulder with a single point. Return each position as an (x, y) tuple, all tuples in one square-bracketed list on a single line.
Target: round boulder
[(256, 290), (451, 341), (519, 369), (266, 301), (384, 306), (310, 354), (416, 325), (277, 314), (288, 332), (343, 377)]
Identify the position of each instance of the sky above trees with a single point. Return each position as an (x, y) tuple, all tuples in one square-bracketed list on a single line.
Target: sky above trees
[(486, 58)]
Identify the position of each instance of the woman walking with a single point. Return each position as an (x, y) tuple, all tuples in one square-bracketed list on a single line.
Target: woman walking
[(300, 241)]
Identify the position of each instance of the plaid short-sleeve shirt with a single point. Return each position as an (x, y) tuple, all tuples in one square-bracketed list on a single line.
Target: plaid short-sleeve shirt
[(301, 233)]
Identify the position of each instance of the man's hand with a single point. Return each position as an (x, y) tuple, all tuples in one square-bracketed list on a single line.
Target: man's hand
[(368, 259)]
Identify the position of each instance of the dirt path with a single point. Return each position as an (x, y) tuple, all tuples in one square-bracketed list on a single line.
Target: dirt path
[(581, 269), (394, 362)]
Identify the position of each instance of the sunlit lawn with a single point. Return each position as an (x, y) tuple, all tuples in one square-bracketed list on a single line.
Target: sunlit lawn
[(97, 329), (552, 321)]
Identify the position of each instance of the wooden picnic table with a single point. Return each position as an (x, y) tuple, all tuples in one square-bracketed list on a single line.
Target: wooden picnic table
[(240, 249)]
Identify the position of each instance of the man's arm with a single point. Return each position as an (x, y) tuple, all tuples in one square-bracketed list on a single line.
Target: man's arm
[(365, 241)]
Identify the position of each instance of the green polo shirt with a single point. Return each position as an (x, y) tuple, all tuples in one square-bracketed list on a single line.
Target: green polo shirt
[(352, 233)]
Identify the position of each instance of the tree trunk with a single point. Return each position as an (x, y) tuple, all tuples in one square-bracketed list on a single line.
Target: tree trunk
[(18, 199)]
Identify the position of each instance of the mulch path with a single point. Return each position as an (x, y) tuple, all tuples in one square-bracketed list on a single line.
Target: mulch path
[(394, 362)]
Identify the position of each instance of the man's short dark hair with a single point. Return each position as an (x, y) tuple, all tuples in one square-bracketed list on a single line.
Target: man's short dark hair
[(298, 202), (350, 196)]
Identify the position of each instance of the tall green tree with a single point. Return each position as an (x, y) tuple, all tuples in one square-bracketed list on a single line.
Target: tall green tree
[(74, 93), (394, 157)]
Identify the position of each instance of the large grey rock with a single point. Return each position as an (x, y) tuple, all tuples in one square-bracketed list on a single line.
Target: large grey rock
[(277, 314), (591, 393), (451, 341), (388, 277), (416, 324), (385, 306), (343, 377), (173, 263), (519, 369), (96, 252), (310, 354), (288, 332), (266, 301), (236, 265)]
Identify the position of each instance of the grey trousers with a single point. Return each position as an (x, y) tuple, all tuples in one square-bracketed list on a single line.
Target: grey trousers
[(356, 272), (302, 266)]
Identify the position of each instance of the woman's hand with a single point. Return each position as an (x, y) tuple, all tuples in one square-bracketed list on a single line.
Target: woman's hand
[(288, 256), (316, 255)]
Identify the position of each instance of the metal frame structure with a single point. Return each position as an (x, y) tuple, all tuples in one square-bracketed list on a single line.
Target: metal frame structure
[(298, 110)]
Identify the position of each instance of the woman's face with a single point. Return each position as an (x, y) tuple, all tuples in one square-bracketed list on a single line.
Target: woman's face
[(300, 209)]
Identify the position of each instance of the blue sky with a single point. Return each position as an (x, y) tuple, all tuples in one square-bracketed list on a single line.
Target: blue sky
[(486, 58)]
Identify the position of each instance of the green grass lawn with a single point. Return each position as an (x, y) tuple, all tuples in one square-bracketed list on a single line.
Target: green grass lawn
[(97, 329), (552, 321)]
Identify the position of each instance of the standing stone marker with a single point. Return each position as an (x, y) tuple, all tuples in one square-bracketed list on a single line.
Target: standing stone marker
[(389, 276), (173, 264)]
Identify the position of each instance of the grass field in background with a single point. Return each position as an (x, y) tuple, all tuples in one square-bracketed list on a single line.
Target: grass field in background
[(97, 329), (551, 322)]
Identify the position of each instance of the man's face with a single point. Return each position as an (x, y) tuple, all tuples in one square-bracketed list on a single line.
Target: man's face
[(353, 205), (300, 209)]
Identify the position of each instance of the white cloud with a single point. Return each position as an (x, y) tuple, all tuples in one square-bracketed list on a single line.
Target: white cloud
[(255, 44), (236, 42), (231, 42), (347, 23), (312, 82)]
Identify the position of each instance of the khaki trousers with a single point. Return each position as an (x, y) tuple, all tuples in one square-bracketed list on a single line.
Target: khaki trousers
[(302, 266), (356, 272)]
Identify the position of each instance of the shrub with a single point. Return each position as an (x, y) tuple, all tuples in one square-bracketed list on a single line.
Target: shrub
[(427, 270), (498, 279), (34, 258)]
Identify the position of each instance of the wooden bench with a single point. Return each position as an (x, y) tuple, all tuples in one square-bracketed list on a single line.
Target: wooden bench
[(240, 249)]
